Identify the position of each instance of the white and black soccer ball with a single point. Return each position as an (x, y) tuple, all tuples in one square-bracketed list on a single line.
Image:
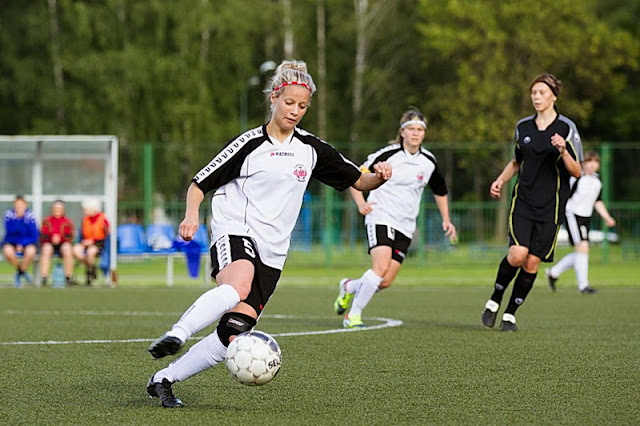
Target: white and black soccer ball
[(253, 358)]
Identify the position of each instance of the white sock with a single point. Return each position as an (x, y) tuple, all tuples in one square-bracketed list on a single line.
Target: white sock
[(369, 284), (352, 286), (208, 308), (582, 270), (567, 262), (204, 354)]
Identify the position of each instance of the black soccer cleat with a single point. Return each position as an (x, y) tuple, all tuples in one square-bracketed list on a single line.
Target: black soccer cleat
[(489, 318), (508, 326), (550, 280), (165, 345), (588, 290), (164, 393)]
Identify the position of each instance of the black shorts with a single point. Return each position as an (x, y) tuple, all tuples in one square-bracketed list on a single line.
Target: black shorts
[(56, 248), (577, 228), (539, 237), (384, 235), (15, 246), (233, 247)]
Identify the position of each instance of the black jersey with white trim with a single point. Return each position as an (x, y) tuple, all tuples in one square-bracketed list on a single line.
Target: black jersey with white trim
[(397, 202), (259, 184), (542, 189)]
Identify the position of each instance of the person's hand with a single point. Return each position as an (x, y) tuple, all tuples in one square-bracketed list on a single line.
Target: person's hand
[(55, 239), (496, 188), (559, 142), (610, 222), (366, 208), (450, 231), (87, 242), (382, 170), (188, 228)]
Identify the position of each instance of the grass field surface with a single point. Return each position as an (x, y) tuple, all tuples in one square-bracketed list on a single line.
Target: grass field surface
[(78, 355)]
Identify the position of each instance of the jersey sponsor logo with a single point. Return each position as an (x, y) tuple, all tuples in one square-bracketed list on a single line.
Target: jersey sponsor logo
[(526, 139), (300, 172), (282, 154)]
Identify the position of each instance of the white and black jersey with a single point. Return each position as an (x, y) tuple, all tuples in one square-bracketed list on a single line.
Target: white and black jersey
[(260, 184), (398, 200), (585, 191)]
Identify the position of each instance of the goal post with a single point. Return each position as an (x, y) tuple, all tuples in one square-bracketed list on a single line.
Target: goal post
[(45, 168)]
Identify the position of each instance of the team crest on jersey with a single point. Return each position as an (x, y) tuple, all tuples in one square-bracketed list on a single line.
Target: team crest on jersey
[(300, 173), (420, 177), (527, 139)]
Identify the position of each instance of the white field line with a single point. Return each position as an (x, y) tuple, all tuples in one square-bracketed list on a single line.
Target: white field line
[(385, 323)]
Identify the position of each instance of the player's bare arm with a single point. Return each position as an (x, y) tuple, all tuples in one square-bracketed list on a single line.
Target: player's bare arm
[(189, 225), (573, 167), (509, 171), (370, 181), (364, 207)]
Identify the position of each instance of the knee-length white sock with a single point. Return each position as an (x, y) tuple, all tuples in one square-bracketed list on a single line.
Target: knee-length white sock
[(582, 270), (204, 354), (567, 262), (205, 311), (369, 284)]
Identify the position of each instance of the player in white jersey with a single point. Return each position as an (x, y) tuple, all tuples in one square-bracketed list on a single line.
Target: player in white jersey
[(259, 180), (586, 195), (391, 212)]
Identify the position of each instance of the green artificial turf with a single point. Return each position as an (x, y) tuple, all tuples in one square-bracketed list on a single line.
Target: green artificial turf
[(574, 360)]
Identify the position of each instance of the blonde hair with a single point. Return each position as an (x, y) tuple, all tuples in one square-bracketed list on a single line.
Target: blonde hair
[(409, 115), (290, 72)]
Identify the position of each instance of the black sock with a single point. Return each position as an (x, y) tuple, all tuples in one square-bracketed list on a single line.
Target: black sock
[(506, 272), (44, 281), (521, 287)]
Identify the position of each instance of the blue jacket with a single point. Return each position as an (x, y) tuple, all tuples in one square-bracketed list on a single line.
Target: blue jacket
[(20, 230)]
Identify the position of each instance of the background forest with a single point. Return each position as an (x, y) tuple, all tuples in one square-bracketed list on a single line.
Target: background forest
[(185, 75)]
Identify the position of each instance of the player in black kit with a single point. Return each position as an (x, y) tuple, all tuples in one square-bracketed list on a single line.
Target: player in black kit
[(547, 152)]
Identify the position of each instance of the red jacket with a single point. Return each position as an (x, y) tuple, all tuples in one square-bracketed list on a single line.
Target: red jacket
[(56, 225)]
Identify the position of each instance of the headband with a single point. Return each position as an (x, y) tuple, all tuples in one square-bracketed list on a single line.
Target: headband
[(289, 83), (553, 89), (410, 122)]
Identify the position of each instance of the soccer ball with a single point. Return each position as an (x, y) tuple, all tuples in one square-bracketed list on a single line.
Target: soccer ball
[(253, 358)]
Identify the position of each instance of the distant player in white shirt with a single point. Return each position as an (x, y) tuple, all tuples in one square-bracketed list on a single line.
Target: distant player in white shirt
[(259, 179), (391, 212), (587, 195)]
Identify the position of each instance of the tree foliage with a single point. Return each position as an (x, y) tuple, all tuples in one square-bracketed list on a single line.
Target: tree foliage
[(173, 72)]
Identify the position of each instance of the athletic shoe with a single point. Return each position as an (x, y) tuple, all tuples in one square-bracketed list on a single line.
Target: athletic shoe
[(164, 393), (344, 299), (352, 321), (165, 345), (490, 313), (28, 278), (588, 290), (550, 279), (508, 323)]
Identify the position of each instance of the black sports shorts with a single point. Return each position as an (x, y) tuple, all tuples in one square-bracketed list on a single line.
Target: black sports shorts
[(384, 235), (539, 237), (577, 227), (229, 248)]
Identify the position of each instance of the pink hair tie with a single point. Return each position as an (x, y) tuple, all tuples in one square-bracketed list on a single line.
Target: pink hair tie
[(289, 83)]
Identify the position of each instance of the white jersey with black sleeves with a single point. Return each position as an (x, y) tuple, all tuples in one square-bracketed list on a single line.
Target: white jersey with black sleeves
[(585, 192), (397, 202), (259, 185)]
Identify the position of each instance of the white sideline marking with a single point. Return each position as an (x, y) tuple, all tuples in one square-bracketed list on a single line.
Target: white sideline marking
[(386, 322)]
